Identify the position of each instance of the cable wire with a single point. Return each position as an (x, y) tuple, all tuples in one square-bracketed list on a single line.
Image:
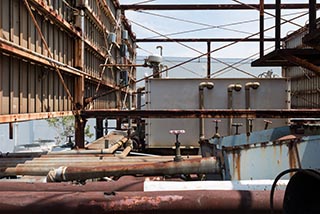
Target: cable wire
[(191, 48), (241, 62), (89, 99), (208, 26), (270, 14)]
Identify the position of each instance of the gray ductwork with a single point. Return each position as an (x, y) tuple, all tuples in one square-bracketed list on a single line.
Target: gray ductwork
[(202, 86)]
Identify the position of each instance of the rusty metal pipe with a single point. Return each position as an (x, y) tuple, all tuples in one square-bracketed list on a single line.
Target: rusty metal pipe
[(88, 151), (223, 201), (92, 159), (41, 168), (202, 85), (231, 88), (195, 166), (127, 150), (117, 145), (125, 183)]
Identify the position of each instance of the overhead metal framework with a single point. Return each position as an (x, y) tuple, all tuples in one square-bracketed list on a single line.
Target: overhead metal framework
[(209, 6), (306, 57), (75, 34)]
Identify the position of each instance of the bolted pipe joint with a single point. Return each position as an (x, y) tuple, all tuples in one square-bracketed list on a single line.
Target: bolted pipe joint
[(236, 87), (208, 85), (253, 85)]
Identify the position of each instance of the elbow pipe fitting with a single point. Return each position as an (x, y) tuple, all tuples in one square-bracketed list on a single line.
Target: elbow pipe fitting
[(208, 85), (248, 85), (236, 87), (253, 85)]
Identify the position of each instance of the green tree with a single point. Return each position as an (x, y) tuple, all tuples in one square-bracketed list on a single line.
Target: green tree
[(64, 127)]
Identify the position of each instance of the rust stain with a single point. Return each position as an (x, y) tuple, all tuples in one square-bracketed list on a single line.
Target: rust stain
[(292, 157), (236, 164), (137, 201)]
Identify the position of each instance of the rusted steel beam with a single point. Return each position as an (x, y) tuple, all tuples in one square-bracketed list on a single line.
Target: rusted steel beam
[(204, 40), (209, 6), (54, 16), (187, 166), (24, 53), (303, 63), (32, 116), (220, 201), (108, 11), (196, 113), (14, 49)]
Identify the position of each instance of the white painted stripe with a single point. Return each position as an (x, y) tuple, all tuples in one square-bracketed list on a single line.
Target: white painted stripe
[(213, 185)]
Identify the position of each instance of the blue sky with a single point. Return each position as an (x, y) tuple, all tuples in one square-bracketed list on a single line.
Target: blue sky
[(202, 19)]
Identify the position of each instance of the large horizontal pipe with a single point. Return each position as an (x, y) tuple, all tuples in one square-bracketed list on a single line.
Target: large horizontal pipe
[(225, 201), (90, 158), (113, 167), (84, 161), (187, 166), (125, 183), (206, 113), (9, 167)]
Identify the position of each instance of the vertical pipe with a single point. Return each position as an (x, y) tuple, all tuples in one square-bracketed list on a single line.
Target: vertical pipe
[(130, 108), (229, 107), (278, 24), (202, 85), (261, 28), (208, 59), (312, 15), (253, 85), (231, 87)]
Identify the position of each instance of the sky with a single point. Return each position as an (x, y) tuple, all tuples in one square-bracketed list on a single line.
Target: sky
[(222, 24), (210, 24)]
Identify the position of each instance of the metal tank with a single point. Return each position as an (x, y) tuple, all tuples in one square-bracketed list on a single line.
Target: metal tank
[(185, 94)]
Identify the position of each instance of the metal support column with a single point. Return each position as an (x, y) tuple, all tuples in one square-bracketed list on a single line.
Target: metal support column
[(80, 124), (261, 28), (208, 59), (278, 24), (99, 128), (312, 15)]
